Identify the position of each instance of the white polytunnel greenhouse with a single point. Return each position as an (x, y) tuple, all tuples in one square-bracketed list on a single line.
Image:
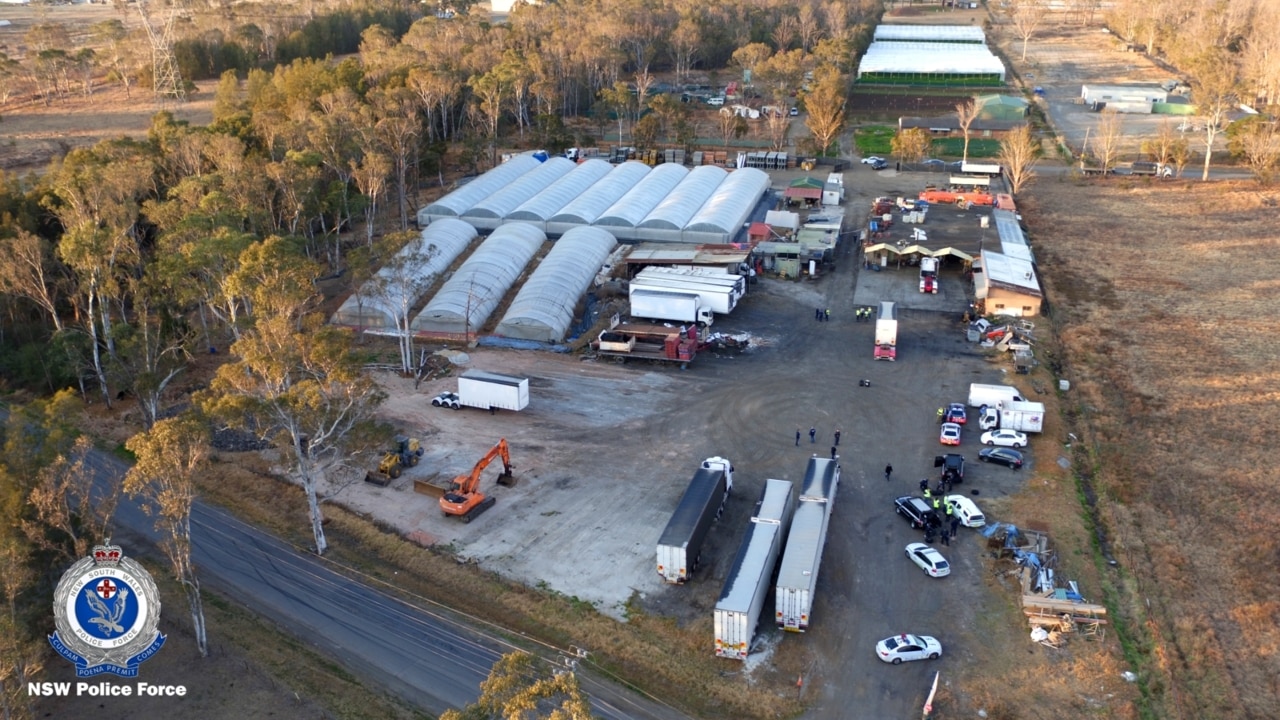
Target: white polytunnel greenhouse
[(488, 213), (588, 206), (543, 309), (622, 217), (930, 63), (721, 217), (466, 300), (931, 33), (673, 213), (465, 197), (402, 281), (542, 206)]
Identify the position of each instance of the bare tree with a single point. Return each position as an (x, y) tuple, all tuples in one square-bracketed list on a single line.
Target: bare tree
[(399, 285), (1107, 145), (69, 501), (1261, 147), (1027, 16), (966, 113), (1017, 156), (731, 125), (29, 272), (1213, 88)]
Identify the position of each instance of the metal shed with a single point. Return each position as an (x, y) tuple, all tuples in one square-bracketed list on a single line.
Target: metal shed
[(589, 206), (542, 206), (466, 196), (721, 217), (488, 213), (624, 215), (464, 303), (400, 283), (668, 218), (543, 309)]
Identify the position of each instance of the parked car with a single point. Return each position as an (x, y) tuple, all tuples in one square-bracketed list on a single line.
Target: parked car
[(446, 399), (950, 434), (955, 166), (967, 510), (1004, 438), (934, 164), (955, 413), (929, 560), (916, 511), (952, 465), (872, 160), (1001, 456), (794, 111), (905, 647), (879, 165)]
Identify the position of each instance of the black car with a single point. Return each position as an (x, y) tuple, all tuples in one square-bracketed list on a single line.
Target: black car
[(917, 511), (952, 465), (879, 165), (1001, 455)]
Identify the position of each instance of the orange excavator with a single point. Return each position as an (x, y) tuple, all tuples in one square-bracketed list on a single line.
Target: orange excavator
[(464, 499)]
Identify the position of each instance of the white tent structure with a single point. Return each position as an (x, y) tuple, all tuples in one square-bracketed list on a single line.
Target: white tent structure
[(931, 33), (489, 212), (624, 215), (542, 206), (401, 282), (673, 213), (723, 214), (921, 62), (588, 206), (477, 287), (465, 197), (543, 309)]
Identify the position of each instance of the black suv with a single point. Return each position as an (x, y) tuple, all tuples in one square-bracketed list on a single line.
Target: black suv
[(917, 511), (952, 465)]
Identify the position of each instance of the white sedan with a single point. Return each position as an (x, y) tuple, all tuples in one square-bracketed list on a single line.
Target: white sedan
[(929, 560), (950, 434), (1004, 438), (908, 647), (873, 160), (967, 510)]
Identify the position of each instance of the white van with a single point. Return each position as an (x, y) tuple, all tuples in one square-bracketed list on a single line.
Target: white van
[(716, 101), (982, 396)]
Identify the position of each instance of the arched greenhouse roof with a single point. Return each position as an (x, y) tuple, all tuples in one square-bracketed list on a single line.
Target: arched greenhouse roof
[(588, 206), (502, 202), (543, 309), (930, 33), (632, 208), (542, 206), (401, 282), (922, 58), (731, 203), (467, 299), (674, 211), (465, 197)]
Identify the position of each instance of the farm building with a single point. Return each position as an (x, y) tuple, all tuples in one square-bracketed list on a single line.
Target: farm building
[(930, 33), (806, 191), (930, 63), (543, 309), (1009, 108), (1139, 99), (1006, 286), (727, 258)]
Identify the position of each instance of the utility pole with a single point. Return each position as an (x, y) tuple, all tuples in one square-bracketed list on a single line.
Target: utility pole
[(165, 78)]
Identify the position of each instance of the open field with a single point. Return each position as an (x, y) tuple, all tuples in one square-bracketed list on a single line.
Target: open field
[(1165, 299)]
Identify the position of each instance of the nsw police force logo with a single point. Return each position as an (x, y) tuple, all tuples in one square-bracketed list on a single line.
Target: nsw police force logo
[(107, 610)]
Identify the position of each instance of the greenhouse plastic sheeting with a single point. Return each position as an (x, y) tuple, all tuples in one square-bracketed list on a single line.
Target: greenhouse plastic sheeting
[(622, 217), (931, 33), (731, 203), (488, 213), (466, 300), (588, 206), (400, 283), (930, 58), (465, 197), (560, 193), (674, 211), (543, 310)]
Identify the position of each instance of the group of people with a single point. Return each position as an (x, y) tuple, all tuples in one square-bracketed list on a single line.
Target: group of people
[(948, 515), (862, 314), (822, 315), (813, 439)]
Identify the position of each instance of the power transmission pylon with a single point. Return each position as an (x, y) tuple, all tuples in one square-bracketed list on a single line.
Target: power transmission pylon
[(165, 78)]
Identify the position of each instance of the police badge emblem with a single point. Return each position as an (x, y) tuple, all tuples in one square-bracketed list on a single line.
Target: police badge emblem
[(107, 611)]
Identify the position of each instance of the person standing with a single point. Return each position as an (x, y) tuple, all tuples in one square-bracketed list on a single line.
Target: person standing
[(927, 493), (813, 435), (946, 539), (797, 437), (955, 525), (924, 486), (833, 452), (888, 471), (827, 315), (941, 413), (837, 436), (817, 313)]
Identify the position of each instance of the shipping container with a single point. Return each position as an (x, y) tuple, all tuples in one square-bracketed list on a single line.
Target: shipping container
[(798, 572), (680, 546), (491, 391), (738, 611)]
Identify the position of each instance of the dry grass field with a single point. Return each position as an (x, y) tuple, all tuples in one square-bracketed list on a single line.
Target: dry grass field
[(1164, 296)]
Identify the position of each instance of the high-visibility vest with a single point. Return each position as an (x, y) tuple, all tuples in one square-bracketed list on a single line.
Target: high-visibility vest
[(926, 493), (936, 503), (949, 508)]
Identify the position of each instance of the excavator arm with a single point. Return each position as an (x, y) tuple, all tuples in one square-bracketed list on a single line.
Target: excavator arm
[(464, 498)]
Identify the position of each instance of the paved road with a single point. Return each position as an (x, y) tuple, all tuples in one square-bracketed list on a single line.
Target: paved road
[(432, 661)]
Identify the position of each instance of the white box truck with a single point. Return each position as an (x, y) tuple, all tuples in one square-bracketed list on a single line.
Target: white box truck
[(680, 546), (887, 332), (738, 282), (720, 297), (1015, 415), (969, 168), (738, 610), (798, 573), (681, 307), (491, 391), (982, 396)]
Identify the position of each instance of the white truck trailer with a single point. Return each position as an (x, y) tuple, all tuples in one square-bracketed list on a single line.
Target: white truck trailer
[(738, 282), (681, 307), (887, 332), (680, 546), (984, 396), (969, 168), (738, 611), (720, 297), (798, 573), (491, 391), (1014, 415)]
